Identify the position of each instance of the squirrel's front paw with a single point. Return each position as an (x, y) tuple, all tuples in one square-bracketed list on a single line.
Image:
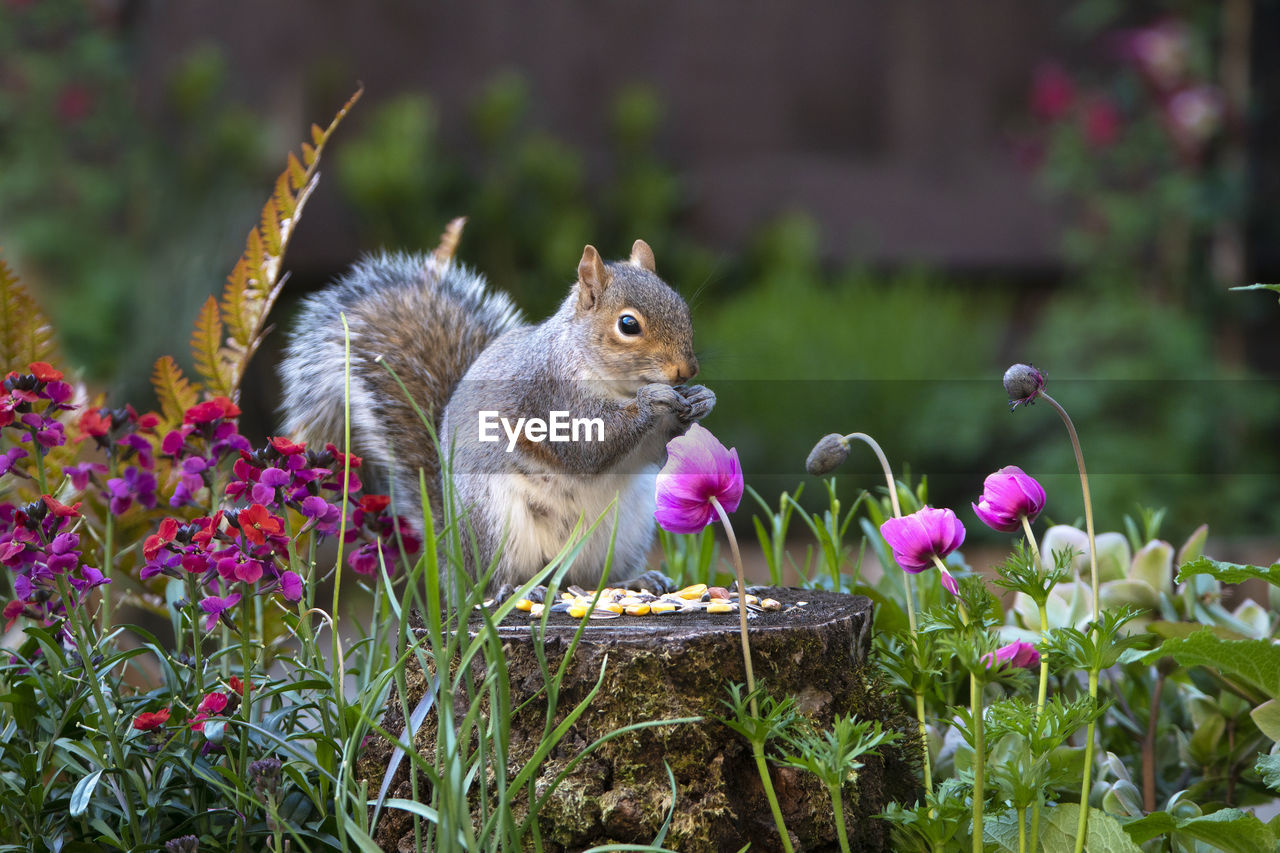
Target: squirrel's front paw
[(659, 396), (701, 401)]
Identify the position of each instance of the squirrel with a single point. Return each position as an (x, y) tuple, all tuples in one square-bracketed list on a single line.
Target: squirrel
[(615, 359)]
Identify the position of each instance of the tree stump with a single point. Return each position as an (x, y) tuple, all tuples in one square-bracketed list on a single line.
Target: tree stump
[(670, 666)]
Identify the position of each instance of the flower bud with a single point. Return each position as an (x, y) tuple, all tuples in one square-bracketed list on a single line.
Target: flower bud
[(827, 454), (1023, 383), (183, 844)]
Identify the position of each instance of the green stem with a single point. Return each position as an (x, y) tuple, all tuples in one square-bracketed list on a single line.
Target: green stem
[(842, 832), (1082, 826), (38, 452), (979, 760), (742, 605), (910, 596), (757, 749), (193, 596), (1022, 830), (107, 720), (1088, 503), (246, 671)]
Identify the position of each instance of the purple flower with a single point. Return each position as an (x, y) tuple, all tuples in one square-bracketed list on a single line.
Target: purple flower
[(89, 578), (134, 485), (9, 457), (1007, 496), (215, 607), (291, 586), (698, 469), (1023, 383), (79, 474), (1020, 654), (264, 491), (918, 538)]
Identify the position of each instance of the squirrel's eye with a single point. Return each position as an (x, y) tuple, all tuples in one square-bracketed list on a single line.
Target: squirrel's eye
[(628, 325)]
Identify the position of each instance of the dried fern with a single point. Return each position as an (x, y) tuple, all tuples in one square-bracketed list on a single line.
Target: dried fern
[(251, 289), (25, 334)]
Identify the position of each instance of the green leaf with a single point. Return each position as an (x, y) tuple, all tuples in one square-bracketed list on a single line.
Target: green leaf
[(83, 793), (1228, 830), (1255, 662), (1268, 767), (1267, 718), (1106, 835), (1230, 572), (1274, 288)]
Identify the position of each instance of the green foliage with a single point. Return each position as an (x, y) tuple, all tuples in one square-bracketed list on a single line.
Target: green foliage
[(1229, 572)]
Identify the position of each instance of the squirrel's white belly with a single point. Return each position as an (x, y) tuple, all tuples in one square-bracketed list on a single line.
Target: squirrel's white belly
[(542, 511)]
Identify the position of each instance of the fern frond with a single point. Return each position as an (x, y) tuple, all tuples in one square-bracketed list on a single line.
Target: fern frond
[(255, 281), (213, 362), (25, 334), (175, 392)]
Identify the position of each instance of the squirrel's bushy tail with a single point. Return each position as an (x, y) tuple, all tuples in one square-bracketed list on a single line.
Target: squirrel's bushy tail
[(428, 318)]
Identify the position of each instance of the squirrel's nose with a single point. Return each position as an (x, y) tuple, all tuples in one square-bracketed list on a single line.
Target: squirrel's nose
[(687, 370)]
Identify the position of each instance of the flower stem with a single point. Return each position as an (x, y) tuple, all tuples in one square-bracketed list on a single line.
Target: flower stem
[(979, 760), (757, 750), (1022, 830), (910, 596), (1088, 503), (742, 604), (1083, 825), (1042, 692), (842, 831)]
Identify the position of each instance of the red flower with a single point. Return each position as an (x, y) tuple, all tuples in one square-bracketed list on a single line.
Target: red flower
[(74, 103), (287, 447), (211, 410), (44, 372), (150, 720), (258, 523), (61, 510), (212, 703), (1052, 92), (341, 457), (94, 423), (12, 611), (374, 504), (1101, 123), (156, 541)]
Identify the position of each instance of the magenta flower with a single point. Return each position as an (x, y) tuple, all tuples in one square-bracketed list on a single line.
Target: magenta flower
[(1019, 655), (215, 607), (1007, 496), (698, 469), (924, 534)]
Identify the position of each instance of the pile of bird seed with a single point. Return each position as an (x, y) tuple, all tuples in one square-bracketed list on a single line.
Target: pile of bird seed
[(614, 602)]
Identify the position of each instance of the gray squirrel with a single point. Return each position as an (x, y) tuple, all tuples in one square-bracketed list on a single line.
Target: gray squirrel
[(614, 359)]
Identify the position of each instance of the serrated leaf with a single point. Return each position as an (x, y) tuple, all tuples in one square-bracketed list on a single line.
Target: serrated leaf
[(1230, 572), (175, 393), (1231, 831), (1275, 288), (25, 334), (318, 135), (1268, 767), (297, 174), (308, 154), (1255, 662), (206, 347), (82, 794), (1105, 834)]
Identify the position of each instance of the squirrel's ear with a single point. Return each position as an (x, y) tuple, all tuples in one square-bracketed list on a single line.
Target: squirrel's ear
[(593, 278), (642, 256)]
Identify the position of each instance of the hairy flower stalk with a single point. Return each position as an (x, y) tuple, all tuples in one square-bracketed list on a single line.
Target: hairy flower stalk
[(830, 451), (1024, 385)]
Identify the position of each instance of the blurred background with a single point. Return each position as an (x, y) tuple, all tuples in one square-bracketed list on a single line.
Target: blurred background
[(873, 207)]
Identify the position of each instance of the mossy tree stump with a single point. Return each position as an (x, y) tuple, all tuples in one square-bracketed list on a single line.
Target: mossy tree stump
[(662, 667)]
